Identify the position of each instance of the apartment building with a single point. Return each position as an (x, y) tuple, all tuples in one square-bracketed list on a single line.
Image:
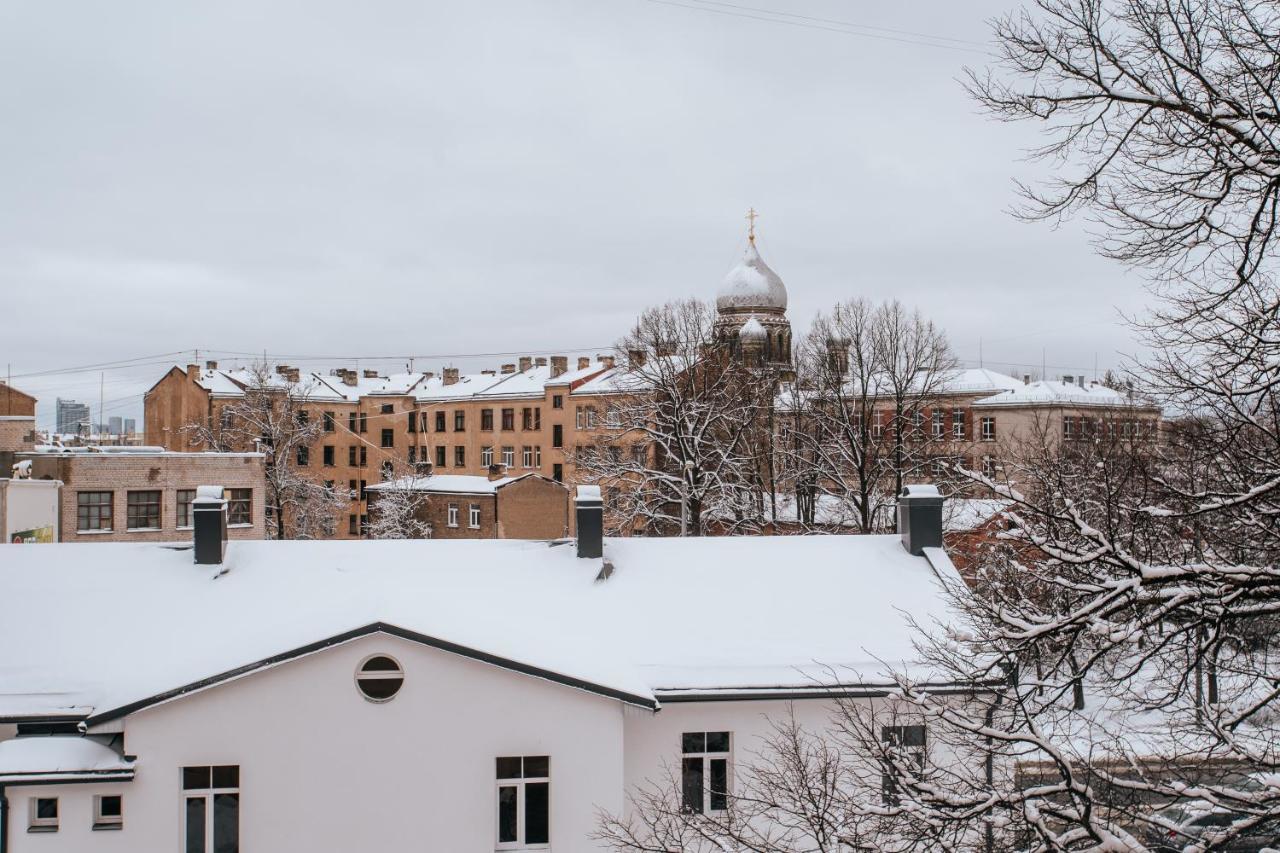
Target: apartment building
[(465, 506), (17, 424)]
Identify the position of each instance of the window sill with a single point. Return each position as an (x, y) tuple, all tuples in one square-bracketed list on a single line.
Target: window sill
[(239, 526), (142, 530), (184, 527), (107, 827), (42, 829), (94, 532)]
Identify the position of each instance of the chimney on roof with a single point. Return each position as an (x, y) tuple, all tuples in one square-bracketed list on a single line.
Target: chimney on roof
[(583, 362), (1026, 379), (559, 365), (193, 370), (1066, 380), (665, 348), (488, 373), (606, 360), (450, 375), (635, 357), (211, 365), (209, 534), (1080, 381), (508, 368), (430, 374), (497, 471), (370, 374), (589, 509), (540, 361), (525, 363), (920, 518)]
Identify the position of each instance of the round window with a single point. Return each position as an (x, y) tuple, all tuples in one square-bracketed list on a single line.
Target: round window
[(379, 678)]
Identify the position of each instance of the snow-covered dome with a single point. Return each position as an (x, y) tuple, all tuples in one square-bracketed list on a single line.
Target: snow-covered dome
[(751, 284), (752, 331)]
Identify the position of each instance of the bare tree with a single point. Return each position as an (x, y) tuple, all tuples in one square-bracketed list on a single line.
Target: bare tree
[(675, 445), (275, 416), (397, 506)]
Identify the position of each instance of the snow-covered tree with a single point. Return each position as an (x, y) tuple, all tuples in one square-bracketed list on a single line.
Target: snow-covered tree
[(397, 508), (275, 416), (680, 433)]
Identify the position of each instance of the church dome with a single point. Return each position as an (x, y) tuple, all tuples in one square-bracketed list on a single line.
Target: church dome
[(752, 331), (752, 285)]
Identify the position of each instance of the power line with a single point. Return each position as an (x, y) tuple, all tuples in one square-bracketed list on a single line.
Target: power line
[(851, 24), (812, 25)]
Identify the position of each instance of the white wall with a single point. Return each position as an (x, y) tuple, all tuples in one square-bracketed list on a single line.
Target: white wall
[(321, 768), (29, 505)]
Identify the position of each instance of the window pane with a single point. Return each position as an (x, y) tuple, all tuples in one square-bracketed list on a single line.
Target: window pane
[(537, 766), (719, 783), (195, 825), (507, 812), (226, 823), (691, 784), (226, 777), (717, 741), (693, 742), (110, 806), (380, 688), (537, 820), (47, 808), (195, 777), (380, 664), (508, 768)]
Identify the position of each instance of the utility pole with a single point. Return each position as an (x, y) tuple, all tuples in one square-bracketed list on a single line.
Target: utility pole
[(102, 382)]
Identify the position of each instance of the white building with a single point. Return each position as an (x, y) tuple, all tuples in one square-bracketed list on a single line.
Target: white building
[(421, 695)]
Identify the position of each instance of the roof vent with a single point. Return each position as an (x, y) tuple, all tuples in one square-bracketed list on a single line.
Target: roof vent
[(589, 510), (920, 518), (209, 514)]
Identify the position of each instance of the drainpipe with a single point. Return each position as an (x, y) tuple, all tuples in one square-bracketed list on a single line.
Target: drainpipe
[(4, 821)]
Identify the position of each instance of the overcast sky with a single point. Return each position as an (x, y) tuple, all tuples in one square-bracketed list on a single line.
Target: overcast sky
[(342, 180)]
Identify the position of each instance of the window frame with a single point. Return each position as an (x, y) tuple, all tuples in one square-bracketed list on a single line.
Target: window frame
[(179, 503), (520, 784), (35, 823), (706, 757), (242, 498), (451, 515), (957, 423), (459, 420), (82, 511), (156, 505), (460, 456), (209, 796), (387, 439), (486, 455), (473, 516), (509, 456), (987, 428), (361, 674), (102, 821)]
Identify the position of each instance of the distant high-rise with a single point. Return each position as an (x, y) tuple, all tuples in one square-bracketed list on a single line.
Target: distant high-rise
[(73, 417), (130, 426), (115, 425)]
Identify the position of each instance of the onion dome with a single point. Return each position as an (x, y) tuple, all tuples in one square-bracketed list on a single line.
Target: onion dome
[(752, 332), (751, 285)]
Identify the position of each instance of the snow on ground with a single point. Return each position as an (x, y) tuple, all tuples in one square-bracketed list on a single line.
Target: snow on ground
[(105, 624)]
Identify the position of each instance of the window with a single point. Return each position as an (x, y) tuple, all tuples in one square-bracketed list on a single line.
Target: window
[(185, 497), (379, 677), (453, 515), (526, 456), (459, 421), (917, 425), (524, 801), (907, 741), (353, 525), (44, 815), (351, 457), (329, 425), (877, 425), (413, 454), (303, 455), (459, 456), (557, 436), (388, 408), (537, 456), (93, 510), (1068, 427), (640, 455), (473, 516), (353, 422), (240, 506), (939, 423), (486, 419), (327, 456), (211, 809), (612, 418), (591, 417), (509, 456), (557, 472), (579, 418), (364, 455), (508, 419), (957, 423), (388, 438), (108, 811), (531, 418), (364, 490), (988, 467), (988, 429), (413, 421), (440, 451), (364, 422), (364, 525), (486, 456), (354, 484), (143, 510), (304, 418), (388, 470), (557, 401), (704, 772), (439, 421)]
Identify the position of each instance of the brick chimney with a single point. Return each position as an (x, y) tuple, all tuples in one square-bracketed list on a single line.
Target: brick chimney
[(525, 363), (559, 365), (920, 518), (508, 368), (583, 362), (497, 471), (606, 360), (211, 365), (193, 370), (540, 361), (635, 357), (450, 375), (589, 510), (209, 533), (370, 374)]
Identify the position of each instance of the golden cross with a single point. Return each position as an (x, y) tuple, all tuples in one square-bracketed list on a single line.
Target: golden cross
[(751, 224)]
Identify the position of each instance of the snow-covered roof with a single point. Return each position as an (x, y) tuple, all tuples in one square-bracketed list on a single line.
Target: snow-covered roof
[(79, 622), (462, 484), (1059, 393), (59, 758), (960, 515), (752, 284)]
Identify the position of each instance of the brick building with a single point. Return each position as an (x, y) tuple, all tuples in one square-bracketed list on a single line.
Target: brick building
[(145, 494), (17, 425), (464, 506)]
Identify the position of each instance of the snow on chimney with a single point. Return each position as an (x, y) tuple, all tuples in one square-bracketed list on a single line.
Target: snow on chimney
[(370, 374), (525, 363), (583, 362), (635, 357), (559, 365), (540, 361), (450, 375), (209, 527), (589, 509), (508, 368), (211, 365), (920, 518), (606, 360)]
